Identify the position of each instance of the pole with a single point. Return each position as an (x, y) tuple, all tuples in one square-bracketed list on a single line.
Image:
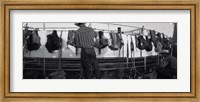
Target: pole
[(44, 65)]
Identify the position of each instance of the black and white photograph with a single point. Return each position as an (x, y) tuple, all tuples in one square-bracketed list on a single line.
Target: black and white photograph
[(99, 50)]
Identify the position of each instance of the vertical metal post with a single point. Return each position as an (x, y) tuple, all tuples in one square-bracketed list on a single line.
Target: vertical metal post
[(44, 67), (123, 51), (171, 49), (145, 63), (127, 57), (158, 58)]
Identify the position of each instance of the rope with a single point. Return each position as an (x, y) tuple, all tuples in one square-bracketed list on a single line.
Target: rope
[(60, 53)]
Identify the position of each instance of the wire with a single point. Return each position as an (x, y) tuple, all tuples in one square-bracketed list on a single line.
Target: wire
[(138, 28), (121, 25)]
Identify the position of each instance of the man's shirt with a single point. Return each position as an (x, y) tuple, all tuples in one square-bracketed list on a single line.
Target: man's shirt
[(84, 37)]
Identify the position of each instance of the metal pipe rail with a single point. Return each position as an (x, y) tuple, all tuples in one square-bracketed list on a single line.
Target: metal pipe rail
[(64, 28)]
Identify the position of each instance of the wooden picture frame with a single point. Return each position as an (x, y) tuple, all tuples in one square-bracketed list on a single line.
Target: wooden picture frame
[(7, 5)]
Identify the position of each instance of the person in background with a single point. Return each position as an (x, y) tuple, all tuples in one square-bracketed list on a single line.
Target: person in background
[(174, 51), (85, 39), (168, 66)]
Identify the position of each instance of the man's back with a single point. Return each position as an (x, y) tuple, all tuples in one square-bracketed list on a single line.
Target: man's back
[(84, 37)]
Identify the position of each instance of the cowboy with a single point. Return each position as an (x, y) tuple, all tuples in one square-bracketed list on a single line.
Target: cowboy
[(85, 39)]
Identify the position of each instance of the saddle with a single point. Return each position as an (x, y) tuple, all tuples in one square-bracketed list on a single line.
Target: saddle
[(132, 44), (53, 42), (101, 42), (116, 41), (141, 42), (153, 37), (70, 38), (159, 37), (144, 44), (165, 43), (33, 41), (148, 45), (159, 47)]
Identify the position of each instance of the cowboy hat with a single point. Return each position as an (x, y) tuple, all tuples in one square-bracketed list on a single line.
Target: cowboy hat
[(164, 52), (77, 24)]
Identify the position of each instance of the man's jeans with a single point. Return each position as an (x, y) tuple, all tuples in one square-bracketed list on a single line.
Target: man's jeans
[(88, 60)]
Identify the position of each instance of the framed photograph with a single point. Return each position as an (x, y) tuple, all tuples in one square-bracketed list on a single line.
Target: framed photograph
[(117, 50)]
